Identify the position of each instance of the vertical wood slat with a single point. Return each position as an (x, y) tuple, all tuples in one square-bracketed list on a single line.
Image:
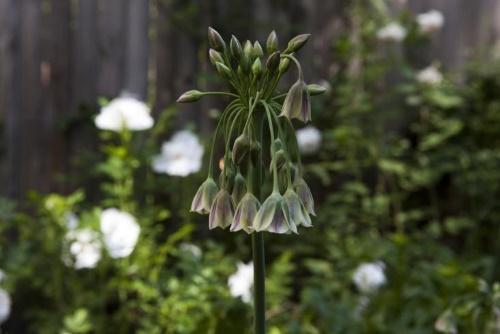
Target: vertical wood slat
[(137, 48)]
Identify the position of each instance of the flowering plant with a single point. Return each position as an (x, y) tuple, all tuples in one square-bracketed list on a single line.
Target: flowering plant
[(259, 146)]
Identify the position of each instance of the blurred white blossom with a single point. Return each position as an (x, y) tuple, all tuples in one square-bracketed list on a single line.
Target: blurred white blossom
[(180, 156), (5, 304), (393, 32), (241, 282), (368, 277), (85, 248), (120, 232), (309, 139), (71, 220), (431, 21), (191, 248), (124, 113), (430, 76)]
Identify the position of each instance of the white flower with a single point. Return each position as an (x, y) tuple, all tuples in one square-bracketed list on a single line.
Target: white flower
[(431, 21), (240, 283), (309, 139), (120, 231), (191, 248), (368, 277), (5, 304), (430, 76), (84, 247), (124, 113), (180, 156), (393, 32), (71, 220)]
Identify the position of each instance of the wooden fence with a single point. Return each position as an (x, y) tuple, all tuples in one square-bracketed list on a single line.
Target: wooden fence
[(57, 57)]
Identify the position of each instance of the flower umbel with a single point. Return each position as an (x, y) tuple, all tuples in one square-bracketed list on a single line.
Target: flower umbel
[(254, 135)]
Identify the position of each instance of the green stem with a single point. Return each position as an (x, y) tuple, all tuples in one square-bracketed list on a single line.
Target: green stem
[(259, 285), (220, 93)]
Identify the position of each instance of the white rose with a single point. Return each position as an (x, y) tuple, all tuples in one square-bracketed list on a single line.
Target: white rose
[(368, 277), (120, 232), (308, 139), (180, 156), (430, 76), (5, 305), (241, 282), (124, 113), (393, 32), (431, 21), (84, 247)]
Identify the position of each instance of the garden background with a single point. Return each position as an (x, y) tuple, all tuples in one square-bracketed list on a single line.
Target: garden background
[(405, 177)]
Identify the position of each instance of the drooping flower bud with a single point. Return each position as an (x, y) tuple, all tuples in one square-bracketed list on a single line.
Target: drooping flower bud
[(279, 159), (273, 62), (297, 42), (221, 213), (297, 103), (239, 188), (272, 42), (223, 70), (273, 216), (305, 195), (257, 67), (257, 50), (204, 198), (284, 65), (190, 96), (298, 212), (241, 148), (245, 213), (215, 57), (255, 152), (235, 47), (315, 89), (215, 40)]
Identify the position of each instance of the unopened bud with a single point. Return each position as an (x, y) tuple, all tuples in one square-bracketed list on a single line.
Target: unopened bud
[(297, 42), (284, 65), (257, 50), (223, 70), (248, 50), (215, 57), (272, 42), (235, 47), (315, 89), (257, 67), (273, 61), (240, 149), (215, 40), (190, 96)]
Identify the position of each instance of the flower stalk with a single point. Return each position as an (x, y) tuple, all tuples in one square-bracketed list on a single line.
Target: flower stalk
[(260, 187)]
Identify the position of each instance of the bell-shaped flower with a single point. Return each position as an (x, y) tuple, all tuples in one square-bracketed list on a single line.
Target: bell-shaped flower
[(297, 104), (202, 201), (239, 189), (273, 216), (221, 213), (245, 213), (298, 213), (305, 195)]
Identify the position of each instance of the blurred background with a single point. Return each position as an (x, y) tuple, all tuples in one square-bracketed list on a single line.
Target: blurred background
[(403, 160)]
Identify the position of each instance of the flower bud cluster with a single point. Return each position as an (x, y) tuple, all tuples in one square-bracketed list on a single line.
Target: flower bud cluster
[(260, 187)]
